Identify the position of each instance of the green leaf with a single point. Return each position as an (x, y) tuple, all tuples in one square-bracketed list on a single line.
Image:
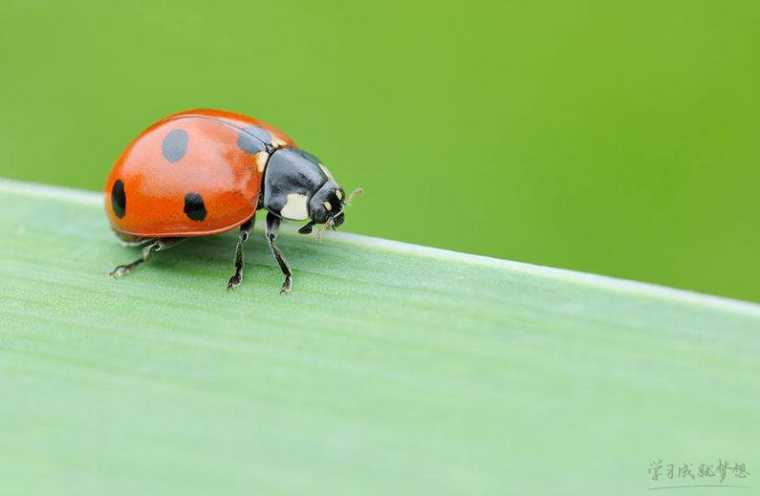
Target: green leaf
[(390, 369)]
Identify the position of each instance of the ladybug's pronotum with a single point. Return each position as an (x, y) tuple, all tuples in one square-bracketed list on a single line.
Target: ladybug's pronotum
[(204, 172)]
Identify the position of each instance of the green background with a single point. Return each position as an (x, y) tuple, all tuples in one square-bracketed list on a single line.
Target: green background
[(610, 137)]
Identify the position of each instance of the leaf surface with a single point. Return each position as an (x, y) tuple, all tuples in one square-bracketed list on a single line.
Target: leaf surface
[(391, 368)]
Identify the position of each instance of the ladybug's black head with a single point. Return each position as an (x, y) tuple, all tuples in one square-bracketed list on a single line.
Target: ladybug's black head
[(298, 187), (326, 204)]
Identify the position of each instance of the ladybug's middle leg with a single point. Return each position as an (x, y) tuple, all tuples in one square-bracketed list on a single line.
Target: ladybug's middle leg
[(154, 246), (245, 232)]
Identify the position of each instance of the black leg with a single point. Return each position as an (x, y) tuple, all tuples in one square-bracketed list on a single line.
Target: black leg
[(154, 246), (273, 224), (307, 228), (245, 232)]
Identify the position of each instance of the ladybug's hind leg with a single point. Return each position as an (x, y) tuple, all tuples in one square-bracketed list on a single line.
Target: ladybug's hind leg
[(245, 232), (154, 246)]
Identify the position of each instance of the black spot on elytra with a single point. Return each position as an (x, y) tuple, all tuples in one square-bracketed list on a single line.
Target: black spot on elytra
[(174, 145), (253, 139), (119, 199), (194, 207)]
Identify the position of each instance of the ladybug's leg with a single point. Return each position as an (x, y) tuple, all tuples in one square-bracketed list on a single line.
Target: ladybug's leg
[(273, 225), (245, 232), (154, 246), (306, 229)]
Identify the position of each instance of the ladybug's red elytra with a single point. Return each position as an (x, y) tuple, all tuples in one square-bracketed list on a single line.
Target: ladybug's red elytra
[(203, 172)]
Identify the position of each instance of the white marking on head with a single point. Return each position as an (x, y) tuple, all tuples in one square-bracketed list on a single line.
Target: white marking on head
[(261, 160), (327, 172), (296, 207), (339, 194), (327, 206)]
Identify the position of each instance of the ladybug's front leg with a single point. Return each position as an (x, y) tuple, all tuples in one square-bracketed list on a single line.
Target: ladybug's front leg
[(156, 245), (245, 232), (273, 225)]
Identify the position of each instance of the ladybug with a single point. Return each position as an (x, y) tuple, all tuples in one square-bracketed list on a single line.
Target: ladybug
[(204, 172)]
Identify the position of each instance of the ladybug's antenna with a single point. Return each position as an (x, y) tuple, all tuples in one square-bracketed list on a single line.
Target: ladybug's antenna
[(356, 192)]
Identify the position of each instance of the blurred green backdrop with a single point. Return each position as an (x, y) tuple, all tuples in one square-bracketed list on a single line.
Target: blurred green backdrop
[(620, 138)]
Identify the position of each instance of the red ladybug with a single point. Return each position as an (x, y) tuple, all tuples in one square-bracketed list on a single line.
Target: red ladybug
[(204, 172)]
